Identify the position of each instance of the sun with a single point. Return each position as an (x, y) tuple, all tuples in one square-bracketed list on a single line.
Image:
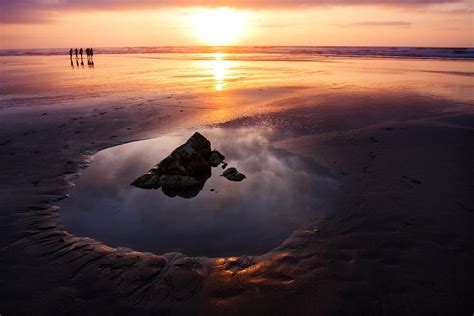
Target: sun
[(221, 26)]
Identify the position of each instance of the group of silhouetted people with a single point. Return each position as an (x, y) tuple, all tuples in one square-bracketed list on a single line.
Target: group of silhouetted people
[(89, 53)]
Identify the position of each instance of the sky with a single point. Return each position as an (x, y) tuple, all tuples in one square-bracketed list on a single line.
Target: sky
[(117, 23)]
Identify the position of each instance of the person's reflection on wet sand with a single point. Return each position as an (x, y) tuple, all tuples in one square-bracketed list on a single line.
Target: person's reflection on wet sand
[(89, 53), (80, 52)]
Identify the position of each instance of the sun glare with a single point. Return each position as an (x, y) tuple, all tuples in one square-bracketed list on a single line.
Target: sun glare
[(220, 26)]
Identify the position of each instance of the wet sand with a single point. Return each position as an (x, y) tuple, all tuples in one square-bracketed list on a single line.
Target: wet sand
[(398, 134)]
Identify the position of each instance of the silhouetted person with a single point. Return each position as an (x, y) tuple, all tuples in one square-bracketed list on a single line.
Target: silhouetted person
[(70, 53), (80, 52), (76, 53), (90, 61), (72, 63), (77, 62)]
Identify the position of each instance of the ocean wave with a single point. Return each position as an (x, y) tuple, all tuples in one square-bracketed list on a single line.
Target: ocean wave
[(270, 52)]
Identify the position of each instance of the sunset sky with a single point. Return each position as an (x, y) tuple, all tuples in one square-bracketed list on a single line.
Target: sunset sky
[(108, 23)]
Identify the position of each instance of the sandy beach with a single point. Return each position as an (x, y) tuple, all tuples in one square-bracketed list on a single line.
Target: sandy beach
[(395, 236)]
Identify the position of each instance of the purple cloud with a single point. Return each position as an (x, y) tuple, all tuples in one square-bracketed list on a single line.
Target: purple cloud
[(36, 11)]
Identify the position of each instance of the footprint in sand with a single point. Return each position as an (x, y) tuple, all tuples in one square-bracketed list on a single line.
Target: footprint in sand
[(464, 207), (413, 180)]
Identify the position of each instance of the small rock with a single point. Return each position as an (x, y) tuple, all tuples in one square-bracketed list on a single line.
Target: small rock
[(233, 175), (224, 165), (216, 158)]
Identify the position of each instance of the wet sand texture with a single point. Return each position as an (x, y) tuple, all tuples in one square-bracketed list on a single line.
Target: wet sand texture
[(398, 239)]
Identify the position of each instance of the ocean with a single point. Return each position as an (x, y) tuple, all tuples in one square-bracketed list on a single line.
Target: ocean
[(297, 53)]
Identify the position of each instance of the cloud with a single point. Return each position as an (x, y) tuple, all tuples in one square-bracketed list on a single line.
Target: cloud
[(37, 11), (381, 23)]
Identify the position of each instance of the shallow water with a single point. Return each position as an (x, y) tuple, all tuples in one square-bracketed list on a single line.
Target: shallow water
[(51, 81), (282, 192)]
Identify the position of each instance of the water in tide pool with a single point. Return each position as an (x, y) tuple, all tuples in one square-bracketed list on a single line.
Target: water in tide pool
[(282, 192)]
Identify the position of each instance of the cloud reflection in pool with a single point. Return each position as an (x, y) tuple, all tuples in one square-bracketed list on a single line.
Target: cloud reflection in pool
[(282, 192)]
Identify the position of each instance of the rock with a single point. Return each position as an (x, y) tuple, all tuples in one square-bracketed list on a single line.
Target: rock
[(224, 165), (183, 186), (216, 158), (149, 180), (233, 175), (183, 172)]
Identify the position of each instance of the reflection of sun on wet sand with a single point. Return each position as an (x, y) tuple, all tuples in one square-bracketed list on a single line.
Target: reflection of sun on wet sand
[(399, 228)]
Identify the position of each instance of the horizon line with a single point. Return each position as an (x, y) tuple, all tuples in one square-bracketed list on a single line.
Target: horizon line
[(249, 46)]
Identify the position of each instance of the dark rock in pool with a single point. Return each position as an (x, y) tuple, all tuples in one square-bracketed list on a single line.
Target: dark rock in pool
[(184, 172), (233, 175), (216, 158)]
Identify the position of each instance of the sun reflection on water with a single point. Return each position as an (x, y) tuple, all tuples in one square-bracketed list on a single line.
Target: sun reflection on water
[(219, 68)]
